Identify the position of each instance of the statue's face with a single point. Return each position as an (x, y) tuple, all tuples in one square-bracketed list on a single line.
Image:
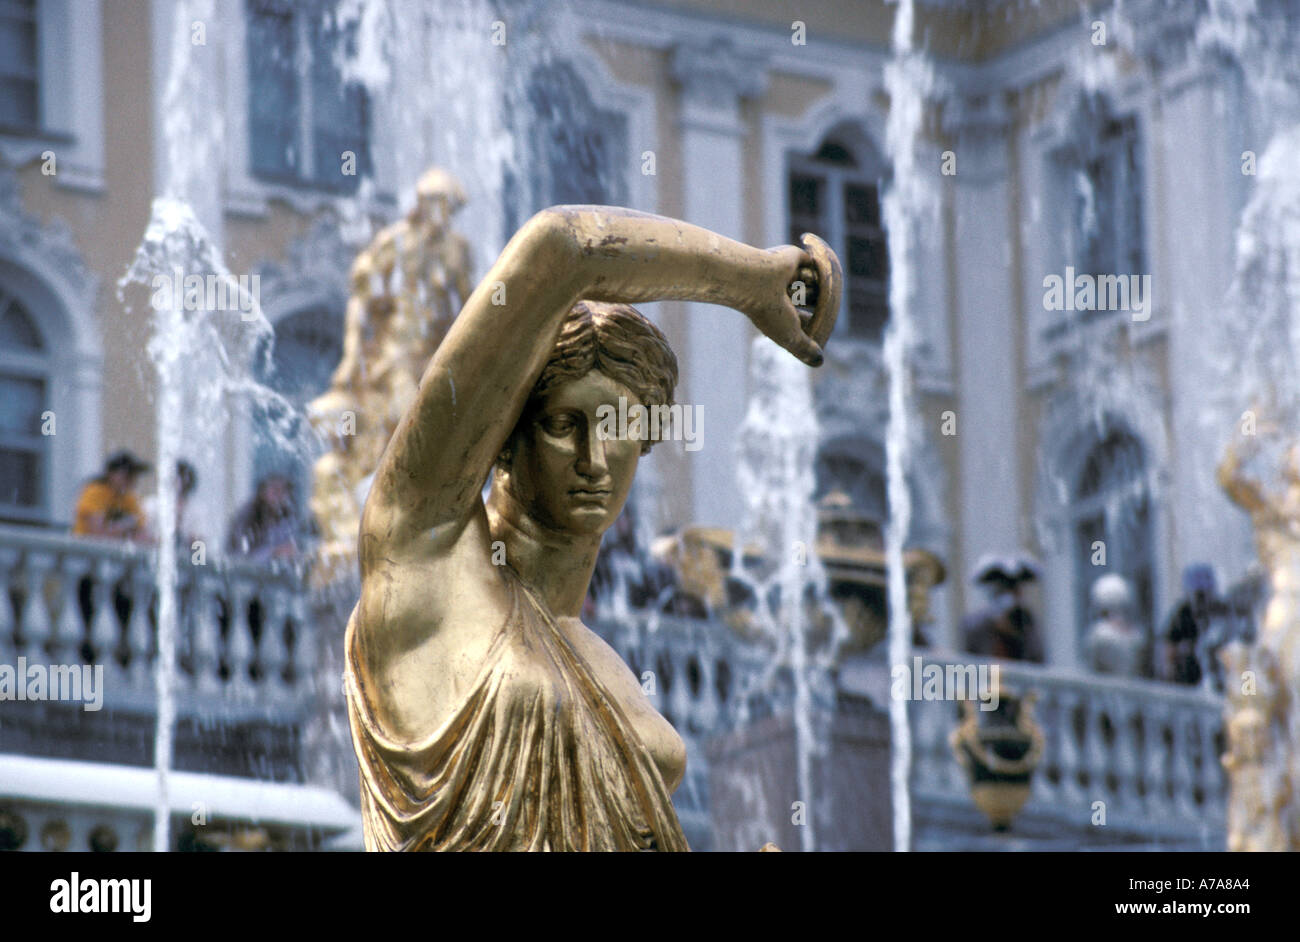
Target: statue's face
[(563, 474)]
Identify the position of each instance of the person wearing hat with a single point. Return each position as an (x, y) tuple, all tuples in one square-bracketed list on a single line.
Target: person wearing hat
[(1004, 628), (108, 506)]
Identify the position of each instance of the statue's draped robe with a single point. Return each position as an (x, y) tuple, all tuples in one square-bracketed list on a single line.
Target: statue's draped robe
[(540, 756)]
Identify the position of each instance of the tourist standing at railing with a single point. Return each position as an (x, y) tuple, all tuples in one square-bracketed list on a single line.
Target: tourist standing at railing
[(1004, 628), (108, 505), (187, 479), (268, 526), (1195, 629), (1115, 645)]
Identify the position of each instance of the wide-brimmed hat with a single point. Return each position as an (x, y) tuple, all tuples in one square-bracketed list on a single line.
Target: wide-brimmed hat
[(1005, 570), (125, 460)]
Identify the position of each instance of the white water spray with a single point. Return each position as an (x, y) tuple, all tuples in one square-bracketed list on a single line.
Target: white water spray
[(907, 80)]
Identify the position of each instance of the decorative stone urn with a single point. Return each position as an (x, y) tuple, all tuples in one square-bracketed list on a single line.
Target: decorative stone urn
[(999, 749)]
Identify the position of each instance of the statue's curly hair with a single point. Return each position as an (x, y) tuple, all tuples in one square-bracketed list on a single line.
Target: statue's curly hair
[(619, 341)]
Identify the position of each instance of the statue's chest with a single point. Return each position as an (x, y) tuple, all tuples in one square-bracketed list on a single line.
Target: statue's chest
[(572, 682)]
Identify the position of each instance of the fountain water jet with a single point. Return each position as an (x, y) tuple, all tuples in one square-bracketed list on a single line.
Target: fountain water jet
[(908, 80)]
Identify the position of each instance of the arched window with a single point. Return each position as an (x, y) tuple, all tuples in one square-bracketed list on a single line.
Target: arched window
[(835, 193), (573, 151), (308, 346), (1098, 177), (1112, 524), (25, 370), (303, 115)]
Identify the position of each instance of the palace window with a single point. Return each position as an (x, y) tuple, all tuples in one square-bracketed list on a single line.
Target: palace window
[(1102, 168), (304, 118), (575, 149), (20, 103), (832, 195), (24, 398), (1112, 525)]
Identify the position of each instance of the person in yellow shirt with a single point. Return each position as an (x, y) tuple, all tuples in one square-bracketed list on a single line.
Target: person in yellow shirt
[(108, 506)]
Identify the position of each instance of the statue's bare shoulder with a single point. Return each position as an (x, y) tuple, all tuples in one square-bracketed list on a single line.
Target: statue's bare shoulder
[(424, 623)]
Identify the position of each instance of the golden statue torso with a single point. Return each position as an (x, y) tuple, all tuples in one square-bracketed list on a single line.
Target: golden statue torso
[(500, 664)]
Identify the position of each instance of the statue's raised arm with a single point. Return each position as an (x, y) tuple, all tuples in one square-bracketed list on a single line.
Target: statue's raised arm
[(476, 385)]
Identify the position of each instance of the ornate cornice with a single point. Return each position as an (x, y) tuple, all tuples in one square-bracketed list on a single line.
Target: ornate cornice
[(714, 76)]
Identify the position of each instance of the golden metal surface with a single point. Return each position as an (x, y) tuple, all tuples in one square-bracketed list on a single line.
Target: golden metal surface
[(1258, 785), (1263, 709), (405, 289), (484, 714), (999, 783)]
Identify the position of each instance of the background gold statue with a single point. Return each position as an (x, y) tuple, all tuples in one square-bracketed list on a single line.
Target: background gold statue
[(406, 287), (1264, 724), (484, 714)]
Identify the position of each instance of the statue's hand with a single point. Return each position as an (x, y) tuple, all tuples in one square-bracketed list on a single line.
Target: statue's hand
[(773, 310)]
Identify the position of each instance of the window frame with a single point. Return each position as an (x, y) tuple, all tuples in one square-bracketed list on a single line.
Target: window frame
[(70, 102), (307, 177), (1138, 568), (835, 228), (39, 365)]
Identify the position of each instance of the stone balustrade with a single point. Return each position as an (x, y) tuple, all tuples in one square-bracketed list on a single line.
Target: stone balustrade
[(1149, 751), (73, 600)]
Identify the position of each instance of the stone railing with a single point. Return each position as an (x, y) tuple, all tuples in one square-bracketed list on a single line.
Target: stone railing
[(1149, 751), (694, 671), (241, 627)]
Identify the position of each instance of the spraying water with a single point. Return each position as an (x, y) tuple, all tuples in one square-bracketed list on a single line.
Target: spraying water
[(778, 446), (907, 80), (209, 341)]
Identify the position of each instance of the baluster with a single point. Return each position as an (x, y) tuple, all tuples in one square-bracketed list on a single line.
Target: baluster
[(1099, 755), (8, 643), (1212, 773), (707, 706), (1125, 758), (1047, 711), (190, 598), (304, 643), (70, 629), (205, 656), (680, 695), (273, 652), (239, 635), (1155, 773), (1072, 791), (35, 622), (105, 629), (1184, 777), (139, 630)]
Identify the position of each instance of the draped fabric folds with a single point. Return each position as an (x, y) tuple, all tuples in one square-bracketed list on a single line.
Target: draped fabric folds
[(539, 757)]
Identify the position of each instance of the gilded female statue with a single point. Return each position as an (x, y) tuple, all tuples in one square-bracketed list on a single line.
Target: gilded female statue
[(485, 715)]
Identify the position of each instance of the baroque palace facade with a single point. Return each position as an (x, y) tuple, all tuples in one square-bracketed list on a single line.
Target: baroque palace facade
[(743, 117)]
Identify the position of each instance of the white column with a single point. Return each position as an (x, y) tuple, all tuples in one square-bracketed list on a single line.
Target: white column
[(988, 478), (713, 78), (1193, 272)]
